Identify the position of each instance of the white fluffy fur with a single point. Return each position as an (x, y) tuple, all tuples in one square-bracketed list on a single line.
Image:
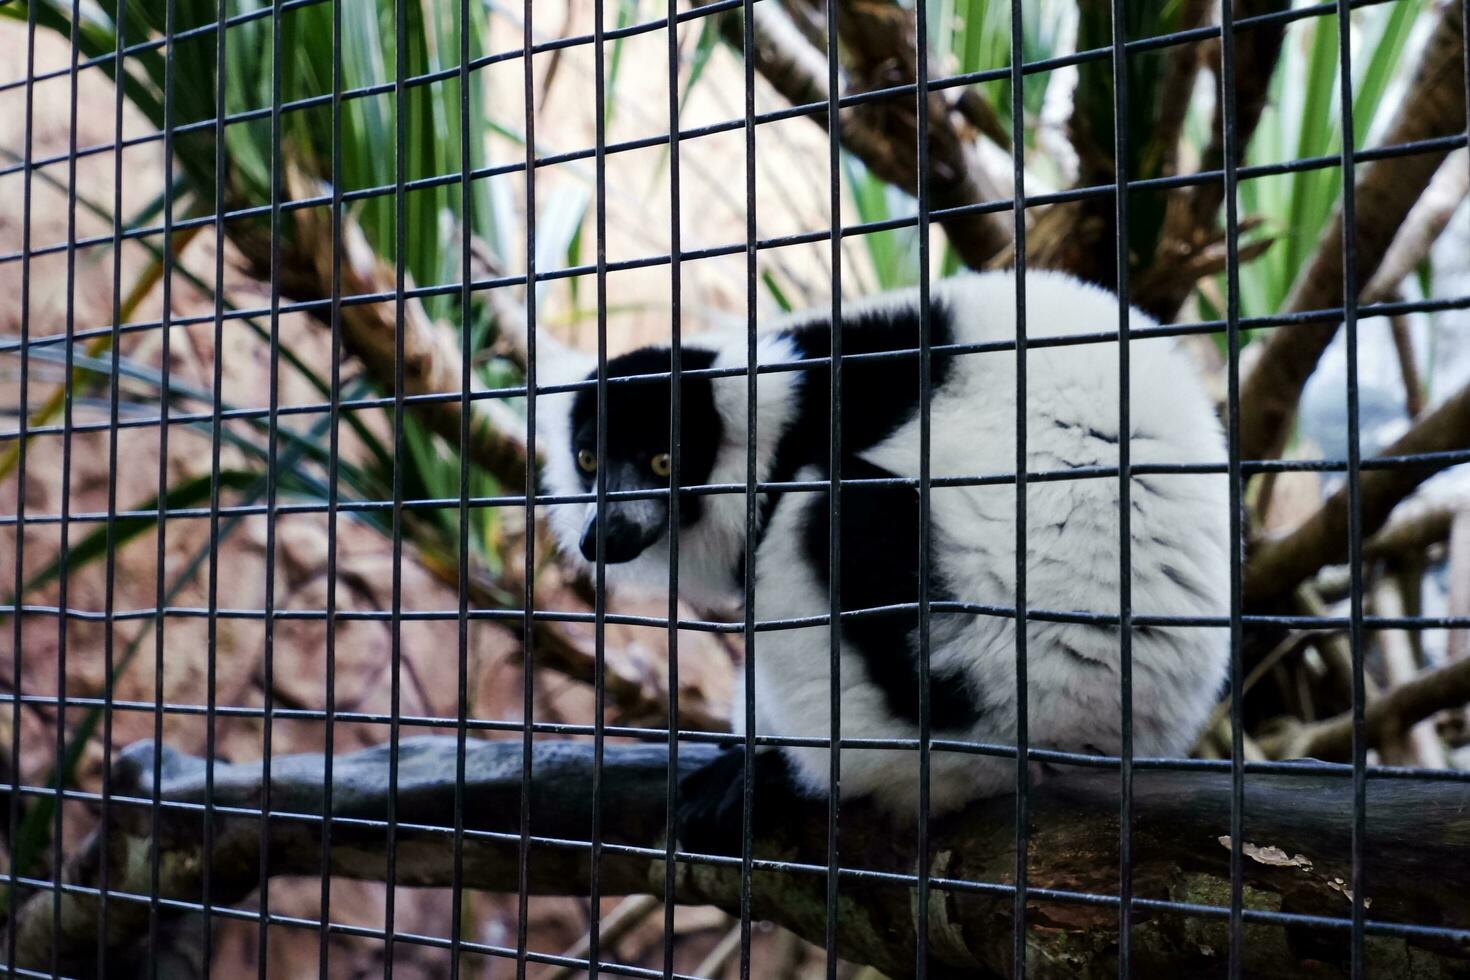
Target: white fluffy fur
[(1180, 551)]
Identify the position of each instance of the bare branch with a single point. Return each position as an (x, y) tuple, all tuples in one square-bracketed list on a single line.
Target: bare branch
[(1298, 852), (1386, 718), (1191, 214), (1386, 191), (1278, 565), (1403, 346), (1413, 528), (1415, 743), (1426, 221), (878, 36), (431, 358)]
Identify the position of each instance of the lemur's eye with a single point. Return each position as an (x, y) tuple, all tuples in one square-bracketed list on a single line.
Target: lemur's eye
[(661, 465), (587, 460)]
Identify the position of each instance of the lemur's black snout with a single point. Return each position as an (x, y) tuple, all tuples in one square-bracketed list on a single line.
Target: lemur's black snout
[(625, 539)]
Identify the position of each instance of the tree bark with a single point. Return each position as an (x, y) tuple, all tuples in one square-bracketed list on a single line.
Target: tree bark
[(1296, 857)]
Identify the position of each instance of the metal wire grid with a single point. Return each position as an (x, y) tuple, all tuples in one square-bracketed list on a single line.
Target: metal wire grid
[(27, 346)]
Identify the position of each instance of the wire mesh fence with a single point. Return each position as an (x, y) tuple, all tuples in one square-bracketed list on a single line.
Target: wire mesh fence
[(330, 367)]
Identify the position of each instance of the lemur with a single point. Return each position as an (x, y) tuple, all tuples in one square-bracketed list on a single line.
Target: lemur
[(1179, 527)]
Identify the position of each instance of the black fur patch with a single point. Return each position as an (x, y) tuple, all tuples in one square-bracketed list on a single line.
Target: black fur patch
[(878, 396), (638, 426), (711, 813), (879, 538)]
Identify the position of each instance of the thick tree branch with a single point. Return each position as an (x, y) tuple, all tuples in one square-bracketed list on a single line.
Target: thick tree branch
[(1278, 565), (1386, 190), (1297, 856)]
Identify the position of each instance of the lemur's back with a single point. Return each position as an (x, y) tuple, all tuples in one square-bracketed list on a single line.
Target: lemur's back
[(1179, 535)]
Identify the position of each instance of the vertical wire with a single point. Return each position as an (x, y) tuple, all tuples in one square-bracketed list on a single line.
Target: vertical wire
[(834, 493), (676, 404), (599, 611), (334, 450), (1354, 465), (1229, 142), (216, 435), (1023, 706), (63, 579), (395, 641), (109, 604), (271, 489), (462, 668), (1125, 479), (23, 439), (747, 789), (921, 77), (161, 552), (528, 633)]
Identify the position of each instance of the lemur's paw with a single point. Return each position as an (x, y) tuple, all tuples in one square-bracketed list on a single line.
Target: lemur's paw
[(710, 818)]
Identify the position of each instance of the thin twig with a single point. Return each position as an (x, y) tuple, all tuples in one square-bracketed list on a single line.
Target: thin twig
[(1403, 345), (719, 958), (629, 914)]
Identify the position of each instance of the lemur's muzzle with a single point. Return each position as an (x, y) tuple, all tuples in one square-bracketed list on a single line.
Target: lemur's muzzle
[(631, 526)]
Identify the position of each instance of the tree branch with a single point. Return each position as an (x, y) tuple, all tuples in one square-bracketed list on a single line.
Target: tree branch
[(1278, 565), (878, 36), (1433, 106), (1386, 718), (1257, 50), (1297, 856), (1191, 244), (431, 359)]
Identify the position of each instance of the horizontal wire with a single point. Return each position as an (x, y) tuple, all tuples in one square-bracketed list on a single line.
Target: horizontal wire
[(940, 83), (1068, 195), (510, 54), (899, 879), (1198, 328), (332, 928), (1444, 457), (1277, 767), (516, 615)]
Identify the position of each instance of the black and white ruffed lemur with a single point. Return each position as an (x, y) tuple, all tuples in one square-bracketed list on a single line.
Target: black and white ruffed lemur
[(1179, 528)]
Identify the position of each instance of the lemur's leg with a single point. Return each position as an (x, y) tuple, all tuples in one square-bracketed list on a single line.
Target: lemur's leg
[(711, 799)]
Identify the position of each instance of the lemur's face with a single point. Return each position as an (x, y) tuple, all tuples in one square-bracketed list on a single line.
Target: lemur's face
[(639, 451)]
